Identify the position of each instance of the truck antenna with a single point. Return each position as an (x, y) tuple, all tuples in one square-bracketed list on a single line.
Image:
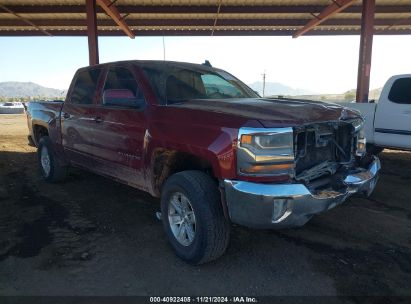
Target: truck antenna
[(207, 63)]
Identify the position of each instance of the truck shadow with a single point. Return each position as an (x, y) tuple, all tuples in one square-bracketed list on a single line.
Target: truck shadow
[(89, 222), (64, 217)]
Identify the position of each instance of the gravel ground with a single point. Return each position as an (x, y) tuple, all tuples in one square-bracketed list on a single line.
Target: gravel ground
[(93, 236)]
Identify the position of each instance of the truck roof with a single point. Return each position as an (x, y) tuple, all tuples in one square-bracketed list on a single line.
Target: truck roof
[(154, 63)]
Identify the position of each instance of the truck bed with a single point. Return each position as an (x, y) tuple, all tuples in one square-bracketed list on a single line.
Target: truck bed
[(44, 113)]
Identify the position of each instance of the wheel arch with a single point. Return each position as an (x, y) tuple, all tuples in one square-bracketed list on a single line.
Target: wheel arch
[(39, 131), (166, 162)]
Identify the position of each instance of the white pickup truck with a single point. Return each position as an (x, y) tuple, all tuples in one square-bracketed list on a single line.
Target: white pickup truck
[(388, 120)]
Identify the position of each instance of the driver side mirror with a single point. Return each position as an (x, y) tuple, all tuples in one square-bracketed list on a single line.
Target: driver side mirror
[(122, 98)]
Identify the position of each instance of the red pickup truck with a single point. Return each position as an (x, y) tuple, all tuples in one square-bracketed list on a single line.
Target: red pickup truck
[(207, 145)]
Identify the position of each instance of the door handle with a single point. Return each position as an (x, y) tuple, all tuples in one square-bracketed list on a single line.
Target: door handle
[(98, 119), (66, 115)]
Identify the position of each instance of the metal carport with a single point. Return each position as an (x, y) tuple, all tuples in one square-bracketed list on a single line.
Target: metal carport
[(95, 18)]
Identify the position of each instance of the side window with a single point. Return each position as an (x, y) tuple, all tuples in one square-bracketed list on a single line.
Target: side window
[(184, 84), (401, 91), (85, 87), (121, 89), (218, 87)]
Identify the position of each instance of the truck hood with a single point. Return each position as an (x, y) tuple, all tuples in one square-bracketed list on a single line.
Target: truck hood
[(273, 112)]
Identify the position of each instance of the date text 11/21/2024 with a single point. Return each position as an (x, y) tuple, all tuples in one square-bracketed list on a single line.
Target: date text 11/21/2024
[(233, 299)]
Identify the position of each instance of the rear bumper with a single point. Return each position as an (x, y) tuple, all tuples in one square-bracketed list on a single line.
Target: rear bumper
[(290, 205)]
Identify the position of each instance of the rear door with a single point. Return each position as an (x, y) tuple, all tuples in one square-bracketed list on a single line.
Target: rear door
[(120, 131), (78, 117), (393, 115)]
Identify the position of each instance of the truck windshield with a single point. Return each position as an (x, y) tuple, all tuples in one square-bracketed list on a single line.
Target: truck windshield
[(177, 84)]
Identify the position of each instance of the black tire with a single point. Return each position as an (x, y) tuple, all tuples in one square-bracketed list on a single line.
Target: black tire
[(212, 229), (57, 172), (373, 149)]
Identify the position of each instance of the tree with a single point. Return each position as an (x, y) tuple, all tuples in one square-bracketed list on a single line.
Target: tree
[(350, 95)]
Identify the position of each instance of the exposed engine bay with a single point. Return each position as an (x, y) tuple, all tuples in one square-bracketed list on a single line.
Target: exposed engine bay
[(322, 150)]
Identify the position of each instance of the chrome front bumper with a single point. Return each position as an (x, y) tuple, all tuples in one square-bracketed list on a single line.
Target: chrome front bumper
[(290, 205)]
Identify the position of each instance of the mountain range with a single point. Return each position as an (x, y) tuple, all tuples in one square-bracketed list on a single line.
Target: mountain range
[(28, 89), (344, 97), (276, 88)]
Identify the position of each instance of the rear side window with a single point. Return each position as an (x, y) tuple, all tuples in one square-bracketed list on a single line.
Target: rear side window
[(85, 87), (122, 79), (401, 91)]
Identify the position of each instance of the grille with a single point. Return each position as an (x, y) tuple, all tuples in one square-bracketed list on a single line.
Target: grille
[(320, 144)]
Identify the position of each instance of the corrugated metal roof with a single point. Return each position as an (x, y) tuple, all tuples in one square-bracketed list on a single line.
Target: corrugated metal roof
[(199, 17)]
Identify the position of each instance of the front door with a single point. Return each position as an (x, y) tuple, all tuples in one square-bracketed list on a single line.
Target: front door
[(120, 131)]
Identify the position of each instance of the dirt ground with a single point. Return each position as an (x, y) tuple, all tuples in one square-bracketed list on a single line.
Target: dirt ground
[(93, 236)]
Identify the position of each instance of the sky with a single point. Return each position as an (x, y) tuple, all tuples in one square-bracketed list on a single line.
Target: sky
[(323, 64)]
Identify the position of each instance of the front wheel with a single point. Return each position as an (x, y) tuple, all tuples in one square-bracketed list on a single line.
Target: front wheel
[(193, 217)]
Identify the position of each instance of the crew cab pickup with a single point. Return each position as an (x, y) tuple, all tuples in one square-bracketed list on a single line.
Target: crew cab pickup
[(207, 145), (388, 120)]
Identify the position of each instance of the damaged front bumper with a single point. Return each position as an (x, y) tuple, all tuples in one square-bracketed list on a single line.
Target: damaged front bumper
[(290, 205)]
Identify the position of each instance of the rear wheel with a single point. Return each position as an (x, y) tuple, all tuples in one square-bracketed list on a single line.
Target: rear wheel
[(193, 217), (50, 168)]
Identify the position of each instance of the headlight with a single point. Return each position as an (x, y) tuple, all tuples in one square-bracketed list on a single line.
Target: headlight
[(361, 148), (358, 124), (265, 151)]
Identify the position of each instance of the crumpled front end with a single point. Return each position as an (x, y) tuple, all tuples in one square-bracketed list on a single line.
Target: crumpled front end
[(328, 166), (259, 205)]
